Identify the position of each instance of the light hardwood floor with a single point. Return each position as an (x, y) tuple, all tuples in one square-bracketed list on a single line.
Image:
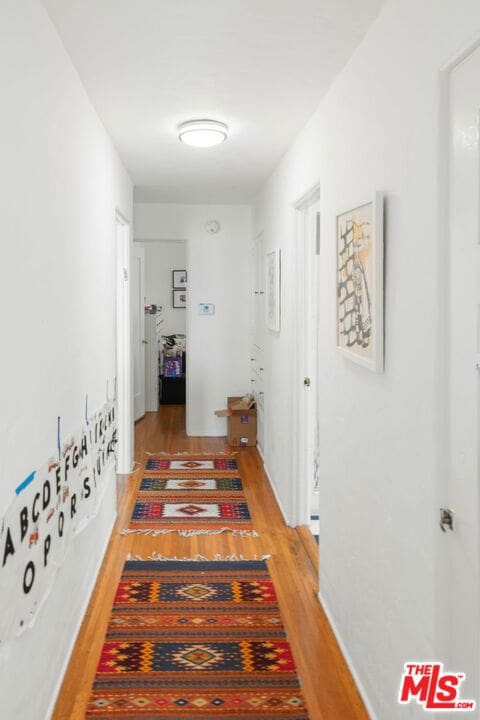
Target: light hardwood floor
[(327, 683)]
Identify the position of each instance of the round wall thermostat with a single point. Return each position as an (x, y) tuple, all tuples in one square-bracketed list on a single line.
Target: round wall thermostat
[(212, 226)]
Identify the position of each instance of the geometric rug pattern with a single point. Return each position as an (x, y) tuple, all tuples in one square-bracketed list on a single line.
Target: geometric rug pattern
[(191, 494), (196, 640), (182, 464)]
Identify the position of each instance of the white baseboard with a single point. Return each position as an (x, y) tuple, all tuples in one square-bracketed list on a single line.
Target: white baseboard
[(277, 498), (63, 670), (360, 687), (260, 452)]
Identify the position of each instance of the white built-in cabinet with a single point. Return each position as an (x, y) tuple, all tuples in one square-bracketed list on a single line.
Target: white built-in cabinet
[(257, 356), (258, 293), (153, 337)]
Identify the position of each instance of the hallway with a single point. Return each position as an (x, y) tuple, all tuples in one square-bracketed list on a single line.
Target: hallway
[(268, 211), (329, 690)]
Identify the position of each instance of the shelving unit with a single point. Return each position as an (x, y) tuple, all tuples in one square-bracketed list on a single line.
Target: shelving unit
[(173, 388)]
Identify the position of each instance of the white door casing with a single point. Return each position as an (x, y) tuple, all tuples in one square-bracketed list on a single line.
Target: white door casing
[(123, 347), (305, 435), (138, 330)]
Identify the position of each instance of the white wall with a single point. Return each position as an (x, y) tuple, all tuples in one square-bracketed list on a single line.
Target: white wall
[(218, 272), (161, 258), (377, 128), (60, 183)]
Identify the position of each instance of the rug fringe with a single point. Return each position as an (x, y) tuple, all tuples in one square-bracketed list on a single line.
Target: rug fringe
[(187, 532), (226, 453), (197, 558)]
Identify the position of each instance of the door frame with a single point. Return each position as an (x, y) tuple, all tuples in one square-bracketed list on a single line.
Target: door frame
[(442, 459), (304, 424), (138, 253), (123, 346)]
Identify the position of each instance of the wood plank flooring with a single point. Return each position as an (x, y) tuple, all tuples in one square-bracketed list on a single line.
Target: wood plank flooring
[(310, 545), (327, 683)]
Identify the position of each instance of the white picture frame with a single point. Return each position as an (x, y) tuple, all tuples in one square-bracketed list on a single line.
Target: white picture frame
[(273, 287), (359, 283)]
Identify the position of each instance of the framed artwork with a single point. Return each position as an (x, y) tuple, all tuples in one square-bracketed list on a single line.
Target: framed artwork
[(359, 272), (179, 279), (273, 289), (179, 299)]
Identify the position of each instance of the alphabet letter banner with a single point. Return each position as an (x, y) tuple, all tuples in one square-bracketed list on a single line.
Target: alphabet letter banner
[(51, 506)]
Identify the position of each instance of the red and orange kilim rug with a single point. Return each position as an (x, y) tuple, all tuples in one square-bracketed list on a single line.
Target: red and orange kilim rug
[(192, 640), (191, 495)]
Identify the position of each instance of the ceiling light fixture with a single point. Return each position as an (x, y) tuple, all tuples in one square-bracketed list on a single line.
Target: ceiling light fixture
[(203, 133)]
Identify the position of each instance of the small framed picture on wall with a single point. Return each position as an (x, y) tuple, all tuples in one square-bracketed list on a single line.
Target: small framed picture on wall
[(179, 279), (179, 299)]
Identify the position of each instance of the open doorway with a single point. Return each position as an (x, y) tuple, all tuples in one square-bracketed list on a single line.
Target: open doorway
[(138, 330), (162, 347), (305, 451)]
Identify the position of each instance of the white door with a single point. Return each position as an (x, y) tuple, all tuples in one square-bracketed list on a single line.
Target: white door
[(310, 355), (306, 353), (138, 330), (461, 547)]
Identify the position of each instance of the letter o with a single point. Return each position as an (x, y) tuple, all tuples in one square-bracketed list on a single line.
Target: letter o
[(28, 577)]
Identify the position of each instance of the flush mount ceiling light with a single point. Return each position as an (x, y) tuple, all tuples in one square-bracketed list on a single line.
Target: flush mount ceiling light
[(203, 133)]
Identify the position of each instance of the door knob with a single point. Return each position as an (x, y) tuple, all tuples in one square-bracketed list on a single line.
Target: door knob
[(145, 342), (306, 381), (446, 519)]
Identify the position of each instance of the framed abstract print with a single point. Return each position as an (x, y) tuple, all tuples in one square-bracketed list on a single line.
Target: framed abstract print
[(359, 276)]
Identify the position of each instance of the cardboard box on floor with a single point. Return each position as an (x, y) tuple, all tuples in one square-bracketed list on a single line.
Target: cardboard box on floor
[(241, 422)]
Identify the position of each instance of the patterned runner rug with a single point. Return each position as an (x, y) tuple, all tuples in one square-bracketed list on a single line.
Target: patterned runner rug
[(196, 640), (191, 495)]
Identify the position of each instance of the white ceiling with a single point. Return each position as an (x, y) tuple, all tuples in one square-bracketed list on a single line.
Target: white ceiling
[(261, 66)]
